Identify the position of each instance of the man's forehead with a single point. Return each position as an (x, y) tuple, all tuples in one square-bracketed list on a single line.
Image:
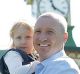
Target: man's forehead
[(52, 18), (46, 20)]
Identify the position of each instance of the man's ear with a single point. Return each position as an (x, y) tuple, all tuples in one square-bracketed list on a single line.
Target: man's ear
[(65, 36)]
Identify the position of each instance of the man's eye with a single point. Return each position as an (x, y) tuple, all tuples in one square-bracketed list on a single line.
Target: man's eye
[(50, 31)]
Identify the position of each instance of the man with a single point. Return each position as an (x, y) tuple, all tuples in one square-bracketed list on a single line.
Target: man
[(50, 36)]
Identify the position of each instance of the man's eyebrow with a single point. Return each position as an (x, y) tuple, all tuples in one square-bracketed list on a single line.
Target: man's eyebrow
[(50, 28)]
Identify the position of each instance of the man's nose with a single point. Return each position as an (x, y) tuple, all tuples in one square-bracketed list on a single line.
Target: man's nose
[(43, 37)]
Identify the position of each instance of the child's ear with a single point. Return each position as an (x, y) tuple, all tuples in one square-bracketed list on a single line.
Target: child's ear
[(65, 36)]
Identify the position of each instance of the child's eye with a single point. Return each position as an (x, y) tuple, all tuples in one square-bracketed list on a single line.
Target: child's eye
[(28, 36), (19, 37)]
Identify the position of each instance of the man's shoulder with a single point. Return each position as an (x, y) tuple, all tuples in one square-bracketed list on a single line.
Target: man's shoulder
[(63, 62)]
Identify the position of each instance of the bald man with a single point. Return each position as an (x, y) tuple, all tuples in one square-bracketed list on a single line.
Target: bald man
[(50, 36)]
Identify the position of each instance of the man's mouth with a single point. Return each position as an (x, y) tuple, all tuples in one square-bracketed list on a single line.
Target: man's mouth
[(44, 45)]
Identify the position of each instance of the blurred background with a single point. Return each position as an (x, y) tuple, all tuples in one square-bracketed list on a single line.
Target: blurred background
[(12, 11)]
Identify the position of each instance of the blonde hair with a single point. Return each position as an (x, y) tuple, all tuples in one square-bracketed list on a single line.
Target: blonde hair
[(19, 25)]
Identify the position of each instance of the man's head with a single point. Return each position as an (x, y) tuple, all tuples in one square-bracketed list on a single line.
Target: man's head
[(50, 34)]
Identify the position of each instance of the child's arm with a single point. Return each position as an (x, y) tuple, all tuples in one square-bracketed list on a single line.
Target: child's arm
[(13, 61)]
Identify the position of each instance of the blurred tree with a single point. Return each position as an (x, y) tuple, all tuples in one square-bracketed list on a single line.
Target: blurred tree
[(29, 1)]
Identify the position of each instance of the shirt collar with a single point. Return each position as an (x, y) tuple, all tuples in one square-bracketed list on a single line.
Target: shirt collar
[(53, 57)]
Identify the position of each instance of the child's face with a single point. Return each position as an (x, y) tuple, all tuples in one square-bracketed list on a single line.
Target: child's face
[(23, 39)]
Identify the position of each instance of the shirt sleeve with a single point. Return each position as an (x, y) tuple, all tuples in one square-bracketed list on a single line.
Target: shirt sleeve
[(27, 69), (13, 60)]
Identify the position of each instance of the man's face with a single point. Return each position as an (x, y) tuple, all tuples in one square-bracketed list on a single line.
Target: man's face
[(48, 36)]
